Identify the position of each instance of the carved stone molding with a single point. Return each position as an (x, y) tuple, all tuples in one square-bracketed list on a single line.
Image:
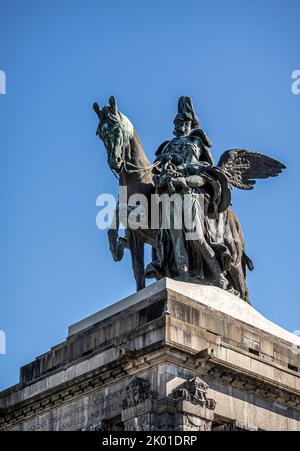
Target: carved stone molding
[(233, 426), (195, 391), (259, 387), (136, 391)]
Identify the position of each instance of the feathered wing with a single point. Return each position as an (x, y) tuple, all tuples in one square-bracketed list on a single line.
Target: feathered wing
[(242, 167)]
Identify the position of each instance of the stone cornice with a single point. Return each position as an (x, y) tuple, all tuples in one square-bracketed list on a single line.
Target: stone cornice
[(130, 363)]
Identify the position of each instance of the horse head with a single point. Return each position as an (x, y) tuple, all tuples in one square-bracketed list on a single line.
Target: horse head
[(116, 132)]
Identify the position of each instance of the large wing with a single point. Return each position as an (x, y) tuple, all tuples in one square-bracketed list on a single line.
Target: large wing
[(242, 167)]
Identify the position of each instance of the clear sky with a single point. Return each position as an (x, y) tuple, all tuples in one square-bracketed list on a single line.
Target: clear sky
[(235, 58)]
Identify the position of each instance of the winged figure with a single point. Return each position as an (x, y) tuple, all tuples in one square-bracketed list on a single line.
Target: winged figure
[(243, 167), (217, 255)]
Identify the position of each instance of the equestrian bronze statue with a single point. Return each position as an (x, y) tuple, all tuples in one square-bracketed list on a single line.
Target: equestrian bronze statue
[(203, 240)]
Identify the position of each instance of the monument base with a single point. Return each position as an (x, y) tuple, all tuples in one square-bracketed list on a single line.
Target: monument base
[(172, 357)]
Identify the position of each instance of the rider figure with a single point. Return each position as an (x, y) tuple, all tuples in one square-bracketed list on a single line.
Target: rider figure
[(186, 166)]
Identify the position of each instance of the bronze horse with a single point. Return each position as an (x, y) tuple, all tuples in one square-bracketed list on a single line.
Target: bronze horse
[(127, 159)]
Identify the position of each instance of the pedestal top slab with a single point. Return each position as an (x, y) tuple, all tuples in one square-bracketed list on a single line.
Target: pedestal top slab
[(215, 298)]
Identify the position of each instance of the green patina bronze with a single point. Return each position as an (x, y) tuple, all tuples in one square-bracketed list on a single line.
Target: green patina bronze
[(184, 166)]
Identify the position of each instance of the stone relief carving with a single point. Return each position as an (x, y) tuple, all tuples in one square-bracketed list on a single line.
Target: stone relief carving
[(191, 423), (138, 390), (103, 426), (140, 423), (195, 391)]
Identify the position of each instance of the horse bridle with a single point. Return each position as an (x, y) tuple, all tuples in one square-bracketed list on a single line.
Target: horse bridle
[(135, 168)]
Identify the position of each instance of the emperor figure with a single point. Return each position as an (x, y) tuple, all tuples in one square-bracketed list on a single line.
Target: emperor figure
[(186, 167)]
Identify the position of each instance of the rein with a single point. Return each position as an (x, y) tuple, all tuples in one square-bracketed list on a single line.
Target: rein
[(138, 168), (134, 167)]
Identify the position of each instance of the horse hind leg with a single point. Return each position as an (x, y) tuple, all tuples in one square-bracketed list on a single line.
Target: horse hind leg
[(238, 281)]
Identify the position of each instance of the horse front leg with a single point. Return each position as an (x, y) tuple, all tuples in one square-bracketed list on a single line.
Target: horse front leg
[(117, 244), (136, 247)]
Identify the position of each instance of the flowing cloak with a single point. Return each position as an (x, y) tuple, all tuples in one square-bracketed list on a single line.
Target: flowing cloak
[(216, 197)]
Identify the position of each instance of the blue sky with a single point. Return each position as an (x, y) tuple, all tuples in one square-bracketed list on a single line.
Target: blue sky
[(235, 59)]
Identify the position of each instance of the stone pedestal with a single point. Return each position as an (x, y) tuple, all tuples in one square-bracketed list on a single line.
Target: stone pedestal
[(173, 357)]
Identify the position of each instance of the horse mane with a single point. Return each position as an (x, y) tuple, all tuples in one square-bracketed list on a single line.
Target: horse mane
[(135, 152)]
